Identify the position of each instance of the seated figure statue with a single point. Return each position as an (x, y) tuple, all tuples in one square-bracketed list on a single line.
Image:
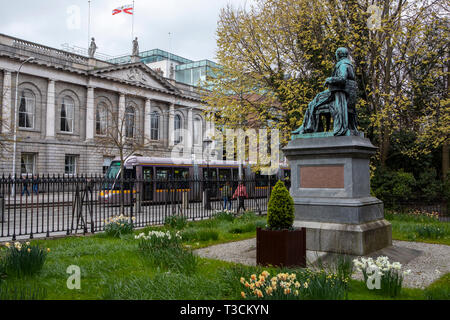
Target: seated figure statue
[(338, 101)]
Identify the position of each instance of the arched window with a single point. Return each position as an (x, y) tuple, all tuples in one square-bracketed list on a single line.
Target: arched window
[(67, 114), (197, 134), (27, 109), (129, 122), (101, 119), (154, 125), (177, 128)]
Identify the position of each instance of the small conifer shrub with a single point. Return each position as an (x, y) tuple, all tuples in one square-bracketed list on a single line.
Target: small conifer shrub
[(280, 211)]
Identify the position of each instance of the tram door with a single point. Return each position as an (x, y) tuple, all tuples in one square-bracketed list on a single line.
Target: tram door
[(147, 174), (210, 180)]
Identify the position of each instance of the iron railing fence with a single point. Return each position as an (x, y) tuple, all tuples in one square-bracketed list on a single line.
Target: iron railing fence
[(54, 205)]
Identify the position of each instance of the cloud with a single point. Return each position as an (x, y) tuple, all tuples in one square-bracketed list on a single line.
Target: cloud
[(192, 24)]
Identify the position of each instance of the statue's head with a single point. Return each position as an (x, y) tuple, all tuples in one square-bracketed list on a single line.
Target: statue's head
[(341, 53)]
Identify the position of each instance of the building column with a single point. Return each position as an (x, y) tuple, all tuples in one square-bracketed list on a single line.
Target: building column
[(147, 120), (171, 125), (90, 114), (7, 116), (121, 116), (210, 132), (190, 133), (51, 112)]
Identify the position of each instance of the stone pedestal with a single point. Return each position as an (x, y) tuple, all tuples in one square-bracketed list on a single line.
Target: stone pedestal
[(135, 59), (331, 191)]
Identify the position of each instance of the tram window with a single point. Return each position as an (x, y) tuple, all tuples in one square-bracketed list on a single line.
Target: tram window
[(286, 174), (113, 170), (147, 173), (235, 174), (212, 172), (183, 175), (225, 174), (130, 173), (163, 174), (262, 180)]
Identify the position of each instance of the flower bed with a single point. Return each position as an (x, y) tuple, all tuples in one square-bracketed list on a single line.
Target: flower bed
[(120, 225), (382, 275), (23, 259)]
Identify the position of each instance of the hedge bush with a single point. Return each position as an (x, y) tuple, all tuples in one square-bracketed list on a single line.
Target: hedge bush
[(280, 210)]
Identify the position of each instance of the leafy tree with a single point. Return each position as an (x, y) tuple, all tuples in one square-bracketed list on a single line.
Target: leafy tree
[(276, 55)]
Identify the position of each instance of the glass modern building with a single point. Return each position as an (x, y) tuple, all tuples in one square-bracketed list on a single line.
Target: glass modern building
[(175, 67)]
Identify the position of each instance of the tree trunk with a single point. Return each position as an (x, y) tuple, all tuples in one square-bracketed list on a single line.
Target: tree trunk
[(385, 144), (445, 160)]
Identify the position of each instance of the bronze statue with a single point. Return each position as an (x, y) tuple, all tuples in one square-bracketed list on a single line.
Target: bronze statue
[(338, 101)]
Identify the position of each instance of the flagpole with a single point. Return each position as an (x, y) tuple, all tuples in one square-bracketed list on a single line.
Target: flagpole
[(89, 24), (132, 23)]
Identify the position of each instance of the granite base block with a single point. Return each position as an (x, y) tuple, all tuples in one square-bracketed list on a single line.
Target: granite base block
[(352, 239)]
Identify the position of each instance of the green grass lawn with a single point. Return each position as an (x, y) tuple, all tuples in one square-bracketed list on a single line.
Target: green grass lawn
[(419, 228), (113, 268)]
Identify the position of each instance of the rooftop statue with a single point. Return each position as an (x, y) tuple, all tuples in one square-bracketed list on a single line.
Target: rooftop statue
[(92, 48), (338, 101), (135, 47)]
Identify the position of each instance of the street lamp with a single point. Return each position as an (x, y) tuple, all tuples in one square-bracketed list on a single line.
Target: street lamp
[(206, 143), (14, 123)]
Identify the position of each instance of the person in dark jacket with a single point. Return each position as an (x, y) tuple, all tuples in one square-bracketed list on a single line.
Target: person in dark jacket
[(36, 184), (226, 195), (25, 186)]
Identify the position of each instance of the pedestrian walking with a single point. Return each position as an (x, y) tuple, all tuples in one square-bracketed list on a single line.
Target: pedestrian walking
[(226, 195), (36, 184), (25, 186), (240, 194)]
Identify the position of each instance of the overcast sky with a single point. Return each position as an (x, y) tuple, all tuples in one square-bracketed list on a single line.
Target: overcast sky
[(192, 24)]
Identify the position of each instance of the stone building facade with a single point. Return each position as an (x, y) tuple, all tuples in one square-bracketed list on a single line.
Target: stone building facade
[(61, 103)]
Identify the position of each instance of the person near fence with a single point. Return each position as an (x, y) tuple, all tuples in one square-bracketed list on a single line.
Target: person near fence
[(36, 184), (25, 186), (240, 194), (226, 195)]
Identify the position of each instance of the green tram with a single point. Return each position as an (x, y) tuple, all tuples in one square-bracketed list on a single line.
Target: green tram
[(158, 179)]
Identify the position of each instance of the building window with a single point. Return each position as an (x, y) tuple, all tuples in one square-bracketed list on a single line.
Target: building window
[(154, 125), (67, 114), (27, 163), (70, 166), (129, 122), (27, 109), (101, 120), (177, 129), (197, 131)]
